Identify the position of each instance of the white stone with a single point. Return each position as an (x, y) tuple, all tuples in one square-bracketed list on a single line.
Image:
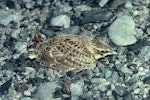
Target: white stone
[(76, 89), (21, 46), (61, 20), (102, 3), (128, 5), (27, 93), (122, 31), (137, 91), (135, 13), (15, 33)]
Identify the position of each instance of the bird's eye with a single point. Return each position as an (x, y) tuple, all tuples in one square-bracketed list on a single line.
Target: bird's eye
[(101, 52)]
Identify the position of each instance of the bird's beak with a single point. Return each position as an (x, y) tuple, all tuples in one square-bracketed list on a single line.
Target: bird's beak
[(114, 52)]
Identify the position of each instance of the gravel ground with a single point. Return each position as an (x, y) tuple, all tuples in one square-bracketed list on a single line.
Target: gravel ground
[(125, 76)]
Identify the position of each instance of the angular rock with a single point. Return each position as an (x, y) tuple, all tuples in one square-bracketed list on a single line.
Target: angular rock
[(122, 31), (145, 53), (128, 5), (102, 3)]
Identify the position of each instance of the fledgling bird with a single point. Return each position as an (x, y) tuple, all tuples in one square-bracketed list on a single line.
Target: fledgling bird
[(70, 52)]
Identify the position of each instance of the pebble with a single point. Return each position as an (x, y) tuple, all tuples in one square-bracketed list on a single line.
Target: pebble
[(29, 72), (29, 5), (128, 5), (145, 53), (108, 73), (120, 90), (66, 8), (101, 81), (102, 88), (82, 8), (61, 21), (102, 3), (109, 92), (46, 90), (115, 76), (147, 80), (20, 46), (15, 33), (6, 18), (126, 70), (137, 90), (128, 97), (135, 13), (27, 93), (148, 30), (139, 33), (122, 31), (76, 89), (10, 66)]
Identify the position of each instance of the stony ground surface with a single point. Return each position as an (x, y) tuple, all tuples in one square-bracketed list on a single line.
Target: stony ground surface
[(125, 23)]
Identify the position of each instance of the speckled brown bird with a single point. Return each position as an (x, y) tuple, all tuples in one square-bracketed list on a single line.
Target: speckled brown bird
[(71, 52)]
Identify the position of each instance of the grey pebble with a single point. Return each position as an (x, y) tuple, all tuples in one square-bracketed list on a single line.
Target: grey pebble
[(29, 5), (145, 53), (108, 73), (102, 88), (102, 3), (122, 31), (61, 21), (76, 89), (126, 70), (82, 8), (128, 5), (128, 97), (148, 31), (115, 76), (139, 33), (6, 18), (15, 33), (101, 81), (46, 90), (120, 90), (20, 46)]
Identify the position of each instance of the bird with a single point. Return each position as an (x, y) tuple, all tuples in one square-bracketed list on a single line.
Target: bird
[(70, 52)]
